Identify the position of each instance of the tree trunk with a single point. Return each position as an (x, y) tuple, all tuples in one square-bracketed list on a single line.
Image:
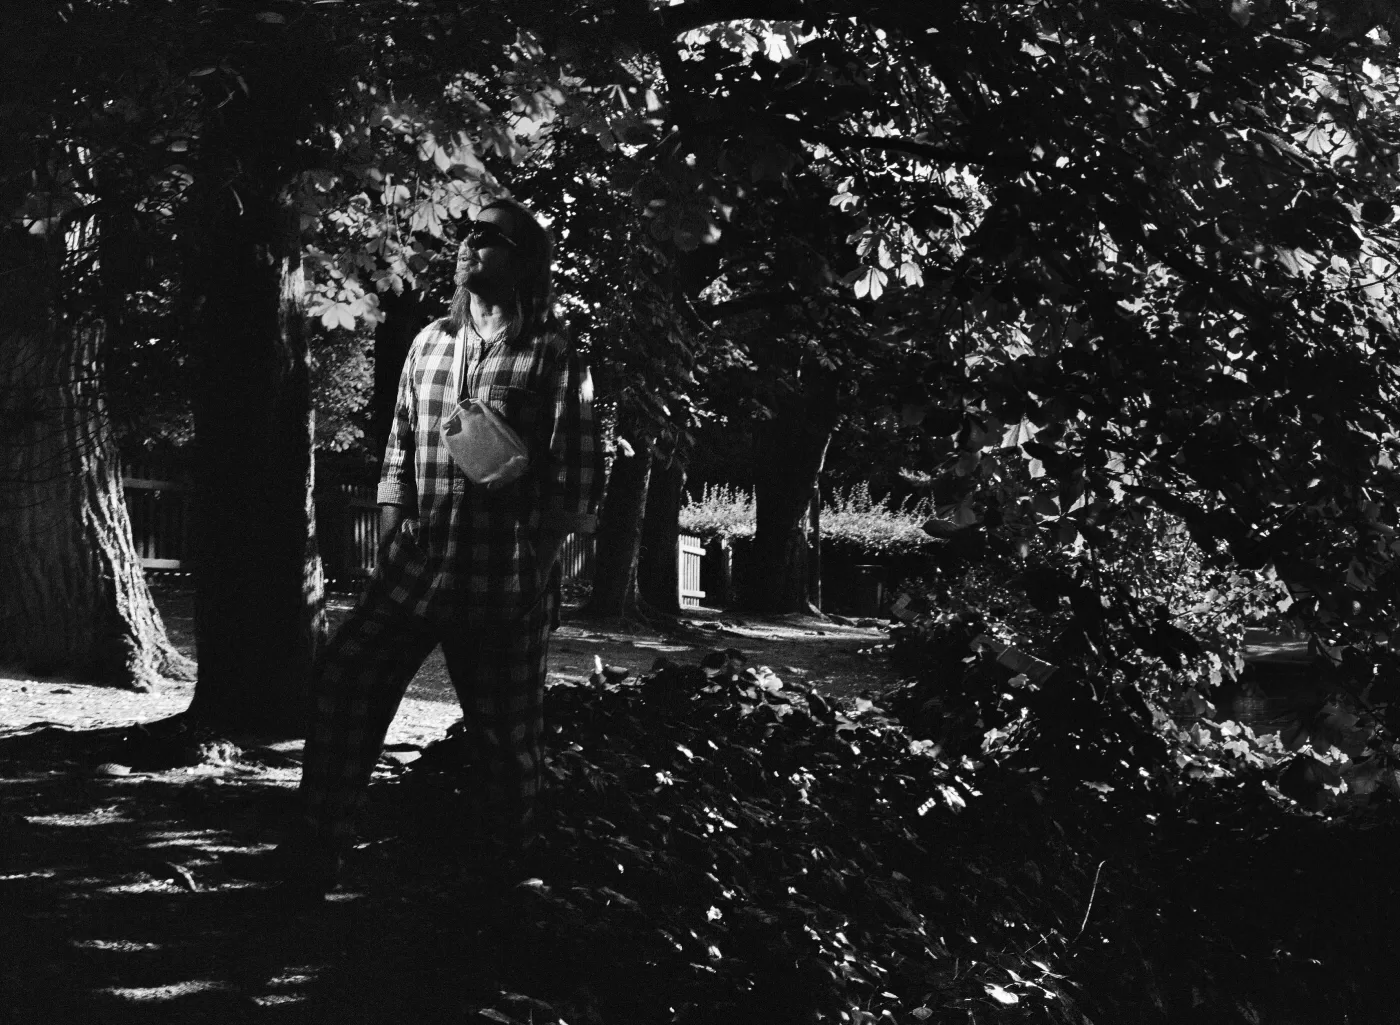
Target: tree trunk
[(73, 597), (791, 450), (259, 596), (814, 564), (618, 541), (658, 572), (404, 317)]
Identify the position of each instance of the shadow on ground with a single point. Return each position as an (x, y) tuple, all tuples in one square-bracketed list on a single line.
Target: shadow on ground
[(116, 909)]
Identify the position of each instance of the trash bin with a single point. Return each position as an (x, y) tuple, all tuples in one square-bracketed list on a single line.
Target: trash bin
[(869, 590)]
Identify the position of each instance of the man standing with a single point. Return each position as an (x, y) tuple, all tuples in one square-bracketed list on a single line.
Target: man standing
[(461, 564)]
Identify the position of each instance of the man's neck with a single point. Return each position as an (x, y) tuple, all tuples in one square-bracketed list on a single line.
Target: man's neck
[(489, 315)]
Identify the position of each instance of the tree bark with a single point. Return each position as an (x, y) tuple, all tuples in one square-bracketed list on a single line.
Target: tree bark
[(259, 591), (814, 564), (658, 572), (618, 540), (791, 449), (73, 597)]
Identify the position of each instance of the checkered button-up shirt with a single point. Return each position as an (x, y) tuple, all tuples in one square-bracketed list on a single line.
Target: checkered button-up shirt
[(471, 549)]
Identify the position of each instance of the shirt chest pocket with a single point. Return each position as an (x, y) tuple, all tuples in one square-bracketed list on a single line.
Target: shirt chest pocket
[(519, 406)]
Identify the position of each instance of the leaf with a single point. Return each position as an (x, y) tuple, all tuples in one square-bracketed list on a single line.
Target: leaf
[(1297, 262), (1294, 736), (1017, 435), (1377, 211), (440, 156), (491, 1014), (1002, 996), (427, 216), (870, 282), (954, 801), (777, 47)]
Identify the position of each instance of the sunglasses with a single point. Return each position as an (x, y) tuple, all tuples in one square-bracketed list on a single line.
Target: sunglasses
[(482, 234)]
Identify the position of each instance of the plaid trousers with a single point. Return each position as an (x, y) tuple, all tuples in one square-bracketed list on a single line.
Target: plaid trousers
[(498, 671)]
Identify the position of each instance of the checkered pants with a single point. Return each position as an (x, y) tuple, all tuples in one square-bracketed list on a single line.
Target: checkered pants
[(499, 675)]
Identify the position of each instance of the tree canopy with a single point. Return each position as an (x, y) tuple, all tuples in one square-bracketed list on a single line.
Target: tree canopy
[(1121, 253)]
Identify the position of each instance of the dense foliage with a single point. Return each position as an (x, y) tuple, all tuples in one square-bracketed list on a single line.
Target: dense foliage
[(723, 844), (1163, 658), (741, 850)]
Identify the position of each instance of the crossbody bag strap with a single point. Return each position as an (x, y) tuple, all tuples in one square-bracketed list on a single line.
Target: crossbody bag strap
[(459, 355)]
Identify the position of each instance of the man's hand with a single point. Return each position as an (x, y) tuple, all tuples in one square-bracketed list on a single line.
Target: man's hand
[(390, 517)]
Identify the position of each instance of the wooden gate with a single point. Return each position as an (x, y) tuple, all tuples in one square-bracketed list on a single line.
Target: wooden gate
[(689, 552)]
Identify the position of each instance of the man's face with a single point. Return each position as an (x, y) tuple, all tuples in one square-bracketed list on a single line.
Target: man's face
[(487, 257)]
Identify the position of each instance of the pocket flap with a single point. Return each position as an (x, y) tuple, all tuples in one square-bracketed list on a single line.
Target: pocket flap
[(519, 406)]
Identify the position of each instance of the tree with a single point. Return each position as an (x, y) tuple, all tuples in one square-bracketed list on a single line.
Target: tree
[(619, 536), (259, 612), (72, 593), (658, 569)]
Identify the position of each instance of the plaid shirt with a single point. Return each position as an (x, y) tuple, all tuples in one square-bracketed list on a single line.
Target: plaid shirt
[(471, 548)]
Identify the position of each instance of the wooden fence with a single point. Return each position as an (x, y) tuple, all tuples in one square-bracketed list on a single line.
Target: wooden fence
[(347, 527), (347, 530), (576, 558)]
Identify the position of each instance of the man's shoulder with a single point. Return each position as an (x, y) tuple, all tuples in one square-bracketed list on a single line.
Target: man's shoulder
[(436, 333), (435, 330)]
